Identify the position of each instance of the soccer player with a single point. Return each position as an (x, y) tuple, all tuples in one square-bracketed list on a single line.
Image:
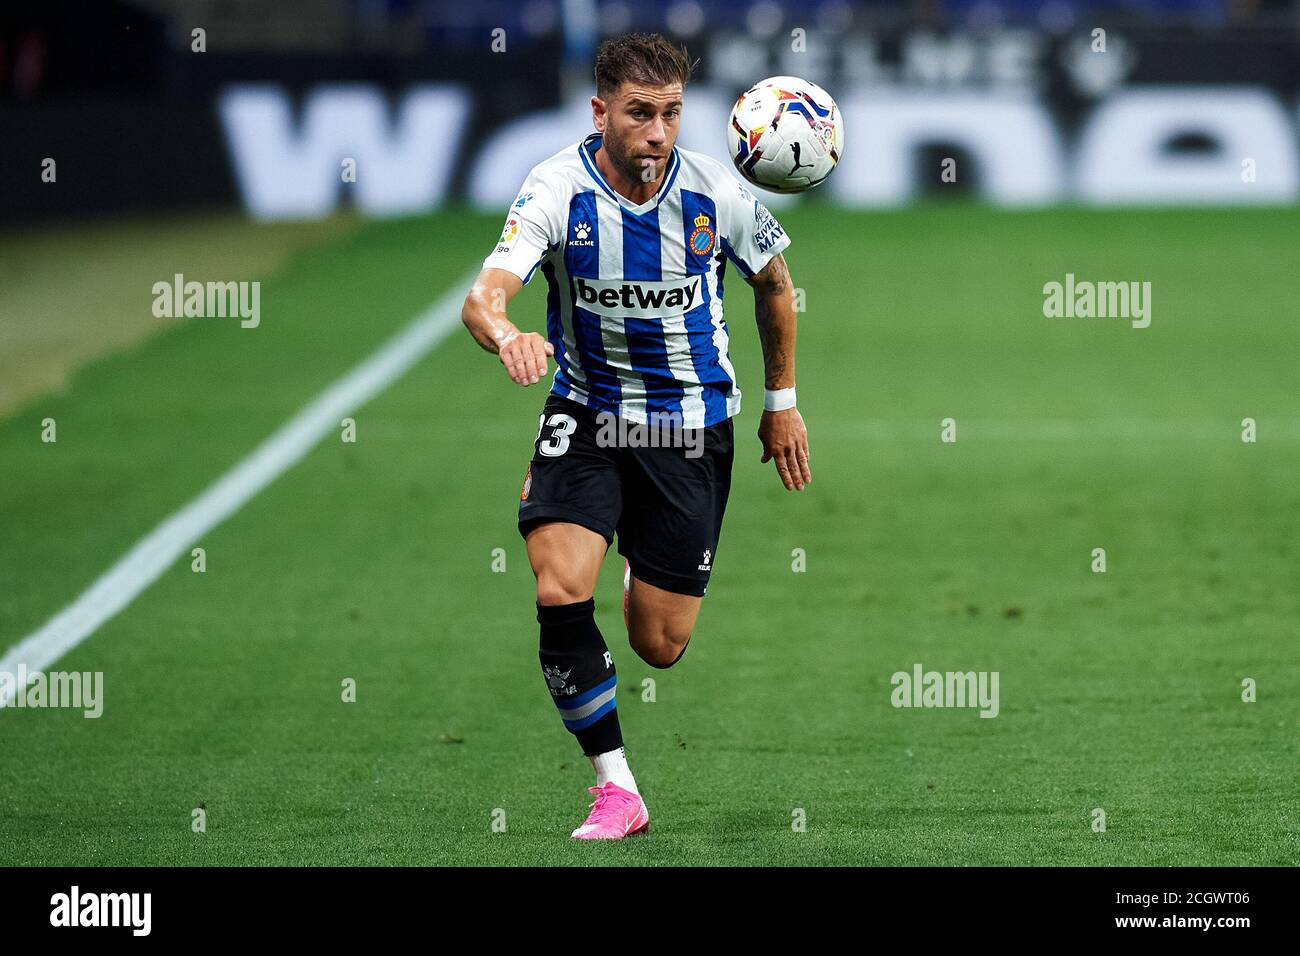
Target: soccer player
[(633, 236)]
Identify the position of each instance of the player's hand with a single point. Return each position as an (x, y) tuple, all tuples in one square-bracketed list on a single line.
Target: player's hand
[(785, 441), (524, 356)]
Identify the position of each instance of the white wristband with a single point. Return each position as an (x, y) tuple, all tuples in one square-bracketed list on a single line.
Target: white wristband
[(778, 400)]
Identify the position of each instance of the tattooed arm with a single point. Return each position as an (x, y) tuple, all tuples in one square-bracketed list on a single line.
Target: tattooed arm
[(784, 438)]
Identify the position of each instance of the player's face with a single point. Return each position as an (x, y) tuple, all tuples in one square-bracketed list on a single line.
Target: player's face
[(640, 125)]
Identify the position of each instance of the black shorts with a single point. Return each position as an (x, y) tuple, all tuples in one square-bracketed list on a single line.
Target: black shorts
[(665, 503)]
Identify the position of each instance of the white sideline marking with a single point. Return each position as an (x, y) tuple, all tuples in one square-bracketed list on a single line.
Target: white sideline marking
[(159, 549)]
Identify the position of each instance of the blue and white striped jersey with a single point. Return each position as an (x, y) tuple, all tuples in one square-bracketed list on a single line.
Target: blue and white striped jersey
[(634, 308)]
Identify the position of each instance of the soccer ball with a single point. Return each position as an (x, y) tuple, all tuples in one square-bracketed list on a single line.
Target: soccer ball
[(785, 134)]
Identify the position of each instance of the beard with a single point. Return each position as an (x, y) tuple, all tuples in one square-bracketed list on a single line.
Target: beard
[(623, 159)]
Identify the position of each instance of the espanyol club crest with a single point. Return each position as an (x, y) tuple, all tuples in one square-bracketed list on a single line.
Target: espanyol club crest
[(701, 241)]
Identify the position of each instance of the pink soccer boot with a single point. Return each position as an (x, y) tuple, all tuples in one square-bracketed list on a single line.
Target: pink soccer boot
[(617, 813)]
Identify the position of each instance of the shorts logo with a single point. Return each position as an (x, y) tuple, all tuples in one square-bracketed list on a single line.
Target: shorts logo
[(708, 561), (701, 241), (528, 484)]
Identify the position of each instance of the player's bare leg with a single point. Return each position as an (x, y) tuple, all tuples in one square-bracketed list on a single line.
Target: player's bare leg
[(659, 622), (579, 671), (566, 560)]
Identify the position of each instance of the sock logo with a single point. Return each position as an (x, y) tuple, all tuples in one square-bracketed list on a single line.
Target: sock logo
[(556, 680)]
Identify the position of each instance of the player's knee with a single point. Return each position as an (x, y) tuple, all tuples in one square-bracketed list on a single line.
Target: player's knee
[(556, 589), (667, 654), (662, 651)]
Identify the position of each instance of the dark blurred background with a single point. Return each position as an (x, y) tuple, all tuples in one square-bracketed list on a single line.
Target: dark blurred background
[(440, 101)]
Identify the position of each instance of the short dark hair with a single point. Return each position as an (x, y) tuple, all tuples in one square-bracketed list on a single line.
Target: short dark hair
[(640, 58)]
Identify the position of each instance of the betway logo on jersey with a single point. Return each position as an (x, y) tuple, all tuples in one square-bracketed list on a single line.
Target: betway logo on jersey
[(644, 299)]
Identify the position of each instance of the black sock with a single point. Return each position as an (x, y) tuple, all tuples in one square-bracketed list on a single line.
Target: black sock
[(580, 674)]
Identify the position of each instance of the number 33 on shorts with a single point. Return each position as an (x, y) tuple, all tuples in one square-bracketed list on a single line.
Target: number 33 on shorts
[(562, 426)]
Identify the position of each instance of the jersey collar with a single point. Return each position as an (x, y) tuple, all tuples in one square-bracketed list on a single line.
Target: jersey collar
[(587, 150)]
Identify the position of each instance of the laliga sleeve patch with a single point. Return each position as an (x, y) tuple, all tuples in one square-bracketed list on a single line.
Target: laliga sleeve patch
[(508, 236)]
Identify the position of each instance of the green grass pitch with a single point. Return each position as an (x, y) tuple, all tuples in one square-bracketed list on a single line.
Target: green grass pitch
[(373, 561)]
